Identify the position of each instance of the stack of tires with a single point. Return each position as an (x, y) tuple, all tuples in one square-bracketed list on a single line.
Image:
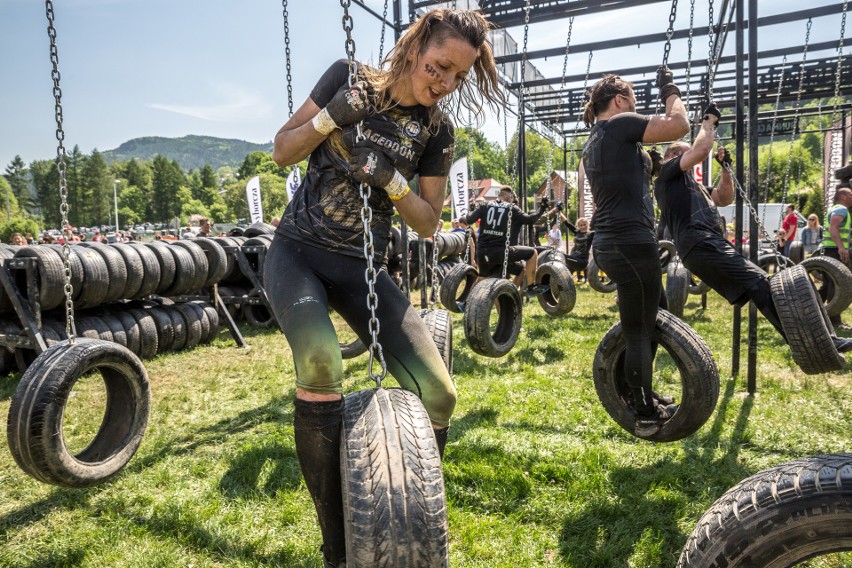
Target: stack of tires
[(110, 283), (238, 292)]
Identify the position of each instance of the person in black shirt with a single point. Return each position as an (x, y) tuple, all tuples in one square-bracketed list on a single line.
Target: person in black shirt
[(316, 260), (689, 210), (619, 173), (496, 219), (578, 259)]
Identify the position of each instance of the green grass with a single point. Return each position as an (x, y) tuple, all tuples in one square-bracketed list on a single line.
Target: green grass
[(536, 472)]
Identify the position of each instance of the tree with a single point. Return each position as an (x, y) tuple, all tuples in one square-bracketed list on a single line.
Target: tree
[(273, 197), (257, 163), (167, 180), (45, 175), (19, 225), (486, 159), (74, 180), (97, 183), (10, 206), (17, 176)]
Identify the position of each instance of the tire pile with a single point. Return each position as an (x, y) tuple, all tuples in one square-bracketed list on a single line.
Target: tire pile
[(122, 292)]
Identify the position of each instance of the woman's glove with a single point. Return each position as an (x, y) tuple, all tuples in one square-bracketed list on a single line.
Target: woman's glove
[(665, 83), (369, 165), (349, 106)]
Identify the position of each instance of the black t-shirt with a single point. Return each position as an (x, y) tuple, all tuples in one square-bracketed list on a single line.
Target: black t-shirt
[(494, 218), (326, 209), (582, 241), (619, 171), (686, 207)]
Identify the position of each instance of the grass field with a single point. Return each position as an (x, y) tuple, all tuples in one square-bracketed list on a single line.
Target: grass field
[(537, 474)]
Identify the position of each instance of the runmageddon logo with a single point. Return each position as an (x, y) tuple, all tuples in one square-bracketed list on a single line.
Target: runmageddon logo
[(354, 100), (392, 145)]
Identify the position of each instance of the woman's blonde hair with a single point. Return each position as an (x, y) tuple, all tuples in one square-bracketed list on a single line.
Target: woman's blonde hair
[(601, 93), (435, 27)]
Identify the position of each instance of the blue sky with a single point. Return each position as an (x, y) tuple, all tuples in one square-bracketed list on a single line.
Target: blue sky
[(135, 68)]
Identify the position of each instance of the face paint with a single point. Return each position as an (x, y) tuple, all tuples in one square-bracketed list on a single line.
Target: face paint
[(432, 71)]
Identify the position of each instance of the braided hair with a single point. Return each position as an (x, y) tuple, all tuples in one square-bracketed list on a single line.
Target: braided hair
[(601, 93)]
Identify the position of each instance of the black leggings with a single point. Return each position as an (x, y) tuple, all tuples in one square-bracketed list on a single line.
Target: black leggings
[(635, 269), (303, 282)]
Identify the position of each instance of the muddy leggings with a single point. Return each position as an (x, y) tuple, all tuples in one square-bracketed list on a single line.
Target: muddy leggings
[(635, 269), (304, 282)]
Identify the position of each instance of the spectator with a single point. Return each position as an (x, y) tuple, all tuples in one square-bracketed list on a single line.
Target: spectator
[(789, 226), (554, 237), (835, 239), (204, 228), (811, 235), (18, 239)]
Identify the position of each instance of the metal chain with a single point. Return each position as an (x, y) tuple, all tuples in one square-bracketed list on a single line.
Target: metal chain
[(508, 242), (382, 40), (521, 93), (559, 105), (580, 114), (668, 46), (838, 70), (774, 122), (375, 347), (710, 55), (287, 54), (796, 111), (689, 53), (70, 329), (433, 294)]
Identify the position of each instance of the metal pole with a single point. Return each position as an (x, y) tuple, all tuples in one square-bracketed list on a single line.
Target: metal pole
[(403, 226), (115, 201), (752, 183), (740, 154)]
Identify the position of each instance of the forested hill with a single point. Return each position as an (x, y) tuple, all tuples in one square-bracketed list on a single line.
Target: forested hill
[(191, 152)]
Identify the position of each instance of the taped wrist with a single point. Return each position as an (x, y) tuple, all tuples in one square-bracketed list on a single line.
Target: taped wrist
[(323, 123), (398, 187), (668, 90)]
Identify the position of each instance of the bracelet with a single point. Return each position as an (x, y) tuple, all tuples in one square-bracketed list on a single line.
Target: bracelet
[(398, 187), (323, 123)]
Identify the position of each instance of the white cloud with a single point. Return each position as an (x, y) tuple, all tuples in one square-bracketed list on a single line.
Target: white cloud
[(235, 105)]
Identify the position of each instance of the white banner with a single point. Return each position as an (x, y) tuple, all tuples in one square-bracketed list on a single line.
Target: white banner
[(458, 185), (253, 196), (294, 180)]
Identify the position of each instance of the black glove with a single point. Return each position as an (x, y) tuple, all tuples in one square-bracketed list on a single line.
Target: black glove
[(712, 110), (369, 165), (349, 105), (656, 161), (545, 203), (726, 159), (665, 83), (559, 205)]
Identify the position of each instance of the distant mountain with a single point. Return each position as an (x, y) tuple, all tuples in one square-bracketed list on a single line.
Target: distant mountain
[(191, 152)]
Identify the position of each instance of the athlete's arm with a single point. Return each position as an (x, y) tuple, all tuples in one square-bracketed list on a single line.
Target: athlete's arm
[(673, 125), (297, 138), (422, 212)]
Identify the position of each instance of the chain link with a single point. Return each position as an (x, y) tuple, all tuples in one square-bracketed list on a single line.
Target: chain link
[(70, 329), (774, 121), (382, 39), (433, 282), (710, 54), (287, 54), (667, 47), (375, 347), (689, 53), (508, 242), (521, 95)]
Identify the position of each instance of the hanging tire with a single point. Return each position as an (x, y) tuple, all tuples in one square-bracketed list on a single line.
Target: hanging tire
[(597, 278), (34, 426), (456, 287), (696, 286), (440, 326), (394, 505), (667, 254), (562, 296), (551, 255), (477, 317), (821, 267), (677, 287), (699, 378), (773, 264), (797, 252), (805, 322), (780, 516)]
